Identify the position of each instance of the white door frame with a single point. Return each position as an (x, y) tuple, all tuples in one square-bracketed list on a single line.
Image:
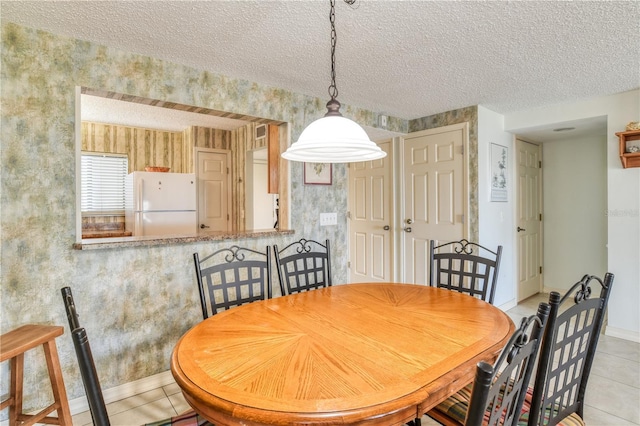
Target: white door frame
[(400, 186), (393, 209), (397, 147), (196, 170), (516, 221)]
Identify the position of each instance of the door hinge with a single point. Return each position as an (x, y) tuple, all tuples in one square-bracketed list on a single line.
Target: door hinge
[(227, 216), (539, 164), (541, 269), (540, 217), (348, 264), (348, 215), (227, 170)]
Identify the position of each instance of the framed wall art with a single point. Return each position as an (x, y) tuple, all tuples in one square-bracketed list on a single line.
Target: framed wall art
[(499, 173), (318, 173)]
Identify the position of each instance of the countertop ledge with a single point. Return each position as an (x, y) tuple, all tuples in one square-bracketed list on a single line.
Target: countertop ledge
[(166, 240)]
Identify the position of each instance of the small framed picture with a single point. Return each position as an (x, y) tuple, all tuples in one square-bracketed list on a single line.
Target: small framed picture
[(499, 173), (317, 173)]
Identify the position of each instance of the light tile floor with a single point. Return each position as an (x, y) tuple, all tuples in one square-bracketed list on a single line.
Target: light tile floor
[(613, 393)]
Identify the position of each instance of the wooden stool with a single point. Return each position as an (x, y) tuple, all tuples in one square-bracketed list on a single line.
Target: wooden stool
[(13, 346)]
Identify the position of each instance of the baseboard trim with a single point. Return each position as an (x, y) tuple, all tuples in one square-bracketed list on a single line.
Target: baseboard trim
[(622, 334), (548, 290), (79, 405), (509, 305)]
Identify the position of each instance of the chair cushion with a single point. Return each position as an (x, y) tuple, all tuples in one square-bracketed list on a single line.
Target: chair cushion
[(572, 419), (455, 407), (190, 418)]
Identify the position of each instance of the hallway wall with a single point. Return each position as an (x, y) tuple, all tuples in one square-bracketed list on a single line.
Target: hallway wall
[(622, 213), (574, 174)]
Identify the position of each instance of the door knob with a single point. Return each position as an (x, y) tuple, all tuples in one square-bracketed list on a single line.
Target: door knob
[(521, 229), (202, 226), (409, 221), (386, 227), (407, 229)]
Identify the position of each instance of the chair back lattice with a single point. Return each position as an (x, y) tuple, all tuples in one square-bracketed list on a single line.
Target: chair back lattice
[(499, 391), (303, 265), (568, 350), (234, 276), (465, 267), (85, 362)]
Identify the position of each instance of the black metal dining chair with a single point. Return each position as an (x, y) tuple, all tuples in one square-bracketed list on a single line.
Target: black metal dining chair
[(231, 277), (567, 353), (566, 356), (85, 361), (303, 265), (465, 267), (498, 391), (90, 380)]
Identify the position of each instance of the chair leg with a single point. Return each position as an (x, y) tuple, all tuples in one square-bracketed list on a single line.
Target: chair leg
[(57, 383), (17, 373)]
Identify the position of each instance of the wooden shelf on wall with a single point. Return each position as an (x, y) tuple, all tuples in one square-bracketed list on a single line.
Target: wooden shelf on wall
[(627, 139)]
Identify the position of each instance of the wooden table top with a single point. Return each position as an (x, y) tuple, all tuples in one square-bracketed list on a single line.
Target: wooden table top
[(379, 353)]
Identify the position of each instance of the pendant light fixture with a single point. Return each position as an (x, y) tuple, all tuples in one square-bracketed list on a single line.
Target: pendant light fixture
[(333, 138)]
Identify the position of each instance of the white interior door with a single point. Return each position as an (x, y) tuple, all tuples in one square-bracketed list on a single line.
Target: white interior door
[(529, 221), (371, 224), (214, 189), (435, 194)]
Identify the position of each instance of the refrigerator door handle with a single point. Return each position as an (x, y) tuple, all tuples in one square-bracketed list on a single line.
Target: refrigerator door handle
[(139, 189), (139, 223)]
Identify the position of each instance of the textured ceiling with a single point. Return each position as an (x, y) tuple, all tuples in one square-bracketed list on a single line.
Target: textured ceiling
[(408, 59)]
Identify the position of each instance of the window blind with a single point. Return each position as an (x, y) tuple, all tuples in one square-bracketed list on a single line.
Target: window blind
[(102, 182)]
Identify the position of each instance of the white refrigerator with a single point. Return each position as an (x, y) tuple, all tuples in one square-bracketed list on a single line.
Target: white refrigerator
[(160, 203)]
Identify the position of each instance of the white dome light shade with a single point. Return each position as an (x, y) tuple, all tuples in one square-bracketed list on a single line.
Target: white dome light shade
[(333, 139)]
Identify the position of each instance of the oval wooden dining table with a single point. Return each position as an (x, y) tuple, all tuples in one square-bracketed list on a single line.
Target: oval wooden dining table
[(374, 353)]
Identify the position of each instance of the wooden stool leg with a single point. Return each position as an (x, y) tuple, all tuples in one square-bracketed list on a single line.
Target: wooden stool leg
[(17, 373), (57, 383)]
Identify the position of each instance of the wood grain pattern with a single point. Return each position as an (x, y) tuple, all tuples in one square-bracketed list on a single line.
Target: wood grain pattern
[(143, 147), (14, 345), (283, 179), (273, 160), (350, 354)]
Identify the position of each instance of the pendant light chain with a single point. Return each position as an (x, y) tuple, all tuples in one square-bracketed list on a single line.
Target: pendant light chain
[(333, 89), (333, 138), (333, 106)]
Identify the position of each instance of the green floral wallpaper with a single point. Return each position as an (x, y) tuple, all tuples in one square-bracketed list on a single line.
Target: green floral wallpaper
[(134, 302)]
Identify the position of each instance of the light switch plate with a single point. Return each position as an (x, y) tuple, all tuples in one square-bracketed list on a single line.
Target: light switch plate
[(327, 219)]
